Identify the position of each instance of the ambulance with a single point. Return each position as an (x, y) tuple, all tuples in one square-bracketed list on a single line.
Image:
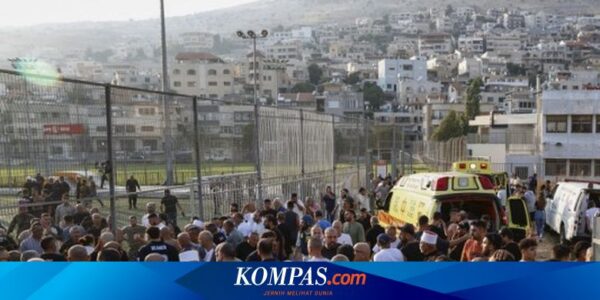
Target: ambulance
[(426, 193)]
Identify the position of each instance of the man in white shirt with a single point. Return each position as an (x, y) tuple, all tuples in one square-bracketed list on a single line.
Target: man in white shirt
[(207, 244), (502, 196), (150, 209), (394, 241), (386, 253), (363, 199), (343, 238)]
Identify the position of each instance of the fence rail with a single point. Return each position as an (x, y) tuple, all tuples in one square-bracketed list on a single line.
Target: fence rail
[(102, 133)]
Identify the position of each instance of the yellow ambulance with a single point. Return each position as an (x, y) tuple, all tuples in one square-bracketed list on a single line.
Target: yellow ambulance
[(426, 193)]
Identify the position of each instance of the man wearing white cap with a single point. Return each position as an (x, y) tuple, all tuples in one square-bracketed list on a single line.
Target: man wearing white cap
[(386, 253), (428, 246)]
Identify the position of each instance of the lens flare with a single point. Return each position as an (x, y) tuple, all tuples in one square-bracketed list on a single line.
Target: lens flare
[(37, 72)]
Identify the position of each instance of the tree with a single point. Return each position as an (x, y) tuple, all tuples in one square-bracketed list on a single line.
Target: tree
[(449, 128), (303, 87), (353, 78), (473, 98), (314, 74), (374, 95)]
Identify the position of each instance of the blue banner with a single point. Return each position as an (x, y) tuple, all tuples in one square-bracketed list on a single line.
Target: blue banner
[(299, 280)]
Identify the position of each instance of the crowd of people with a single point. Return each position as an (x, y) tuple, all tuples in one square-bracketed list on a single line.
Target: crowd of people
[(332, 228)]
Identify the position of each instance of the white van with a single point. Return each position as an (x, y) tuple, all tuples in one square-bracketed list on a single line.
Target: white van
[(566, 206)]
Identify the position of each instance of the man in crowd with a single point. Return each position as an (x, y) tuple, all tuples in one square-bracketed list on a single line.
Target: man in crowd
[(50, 252), (331, 244), (428, 246), (324, 224), (363, 199), (78, 253), (225, 252), (64, 209), (353, 228), (134, 234), (315, 247), (247, 246), (343, 238), (268, 209), (409, 244), (132, 186), (528, 249), (150, 209), (509, 244), (265, 250), (374, 232), (387, 253), (169, 205), (234, 237), (21, 221), (394, 241), (208, 246), (157, 245), (362, 252), (473, 247), (34, 241), (329, 202)]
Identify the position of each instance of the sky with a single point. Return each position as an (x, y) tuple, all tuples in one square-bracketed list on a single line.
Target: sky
[(17, 13)]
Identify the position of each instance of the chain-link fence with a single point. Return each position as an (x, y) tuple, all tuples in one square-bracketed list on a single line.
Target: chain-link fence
[(96, 141)]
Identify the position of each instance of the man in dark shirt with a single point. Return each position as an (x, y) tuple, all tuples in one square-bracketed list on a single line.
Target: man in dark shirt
[(169, 205), (156, 245), (81, 214), (329, 201), (509, 244), (132, 186), (21, 221), (374, 232), (286, 231), (409, 245), (292, 222), (365, 219), (49, 246), (246, 247), (331, 246), (268, 210)]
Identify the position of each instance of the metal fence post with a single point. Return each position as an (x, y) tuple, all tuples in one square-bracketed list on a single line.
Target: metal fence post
[(358, 185), (257, 149), (302, 171), (198, 160), (334, 154), (109, 153), (368, 168), (394, 155)]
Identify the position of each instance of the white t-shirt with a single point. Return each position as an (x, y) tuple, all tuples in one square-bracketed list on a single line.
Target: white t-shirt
[(393, 244), (145, 221), (345, 239), (209, 255), (389, 254), (363, 202)]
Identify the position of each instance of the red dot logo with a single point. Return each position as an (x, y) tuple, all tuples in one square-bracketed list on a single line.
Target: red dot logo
[(329, 282)]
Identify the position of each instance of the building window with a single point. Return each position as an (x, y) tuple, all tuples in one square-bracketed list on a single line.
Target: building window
[(597, 168), (151, 145), (101, 129), (130, 128), (176, 72), (227, 83), (191, 84), (213, 96), (147, 111), (407, 67), (212, 72), (226, 72), (212, 83), (177, 84), (580, 167), (581, 124), (56, 150), (597, 123), (191, 72), (556, 167), (556, 124), (119, 129), (147, 128)]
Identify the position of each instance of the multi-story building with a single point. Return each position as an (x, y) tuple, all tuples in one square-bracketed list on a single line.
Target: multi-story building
[(203, 74), (196, 41), (497, 89), (513, 21), (435, 43), (471, 44), (284, 50), (570, 124), (498, 41), (271, 76), (390, 70)]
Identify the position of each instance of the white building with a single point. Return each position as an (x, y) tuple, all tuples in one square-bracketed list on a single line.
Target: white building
[(435, 43), (471, 44), (390, 70), (197, 41), (571, 124), (203, 74)]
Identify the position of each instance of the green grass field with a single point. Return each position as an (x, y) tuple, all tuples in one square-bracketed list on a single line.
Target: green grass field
[(147, 174)]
